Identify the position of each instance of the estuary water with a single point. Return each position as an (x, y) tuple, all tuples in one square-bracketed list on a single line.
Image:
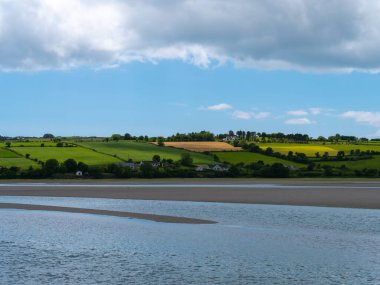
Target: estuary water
[(250, 244)]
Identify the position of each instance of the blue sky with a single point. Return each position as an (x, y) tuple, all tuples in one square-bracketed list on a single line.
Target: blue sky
[(129, 76)]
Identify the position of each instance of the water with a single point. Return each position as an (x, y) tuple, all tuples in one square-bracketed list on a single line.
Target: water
[(251, 244)]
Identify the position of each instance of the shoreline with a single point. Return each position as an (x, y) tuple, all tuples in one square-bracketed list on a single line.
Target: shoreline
[(337, 193)]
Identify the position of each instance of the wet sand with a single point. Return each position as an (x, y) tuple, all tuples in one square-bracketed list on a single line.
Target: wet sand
[(150, 217), (329, 193)]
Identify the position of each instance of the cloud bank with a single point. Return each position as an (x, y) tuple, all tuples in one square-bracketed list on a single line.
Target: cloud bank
[(322, 36), (369, 118)]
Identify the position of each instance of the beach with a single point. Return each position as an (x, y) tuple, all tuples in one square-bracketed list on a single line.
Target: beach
[(326, 193)]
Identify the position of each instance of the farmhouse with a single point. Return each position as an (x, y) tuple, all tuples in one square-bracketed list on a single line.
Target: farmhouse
[(201, 168), (155, 164), (213, 167), (219, 167), (230, 138), (129, 164)]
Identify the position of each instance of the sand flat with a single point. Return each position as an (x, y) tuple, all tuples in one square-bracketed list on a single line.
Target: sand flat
[(150, 217), (334, 193)]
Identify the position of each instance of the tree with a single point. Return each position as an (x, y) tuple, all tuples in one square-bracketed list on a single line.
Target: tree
[(8, 144), (51, 166), (340, 154), (160, 141), (147, 170), (48, 136), (115, 137), (82, 167), (156, 158), (127, 136), (275, 170), (71, 165), (186, 159), (268, 151)]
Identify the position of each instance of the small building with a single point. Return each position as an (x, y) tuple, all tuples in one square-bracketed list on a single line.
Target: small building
[(129, 164), (155, 164), (201, 168), (292, 168), (230, 138), (79, 173), (213, 167), (219, 167)]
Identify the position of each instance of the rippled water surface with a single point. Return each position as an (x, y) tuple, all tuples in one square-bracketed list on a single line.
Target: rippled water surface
[(251, 244)]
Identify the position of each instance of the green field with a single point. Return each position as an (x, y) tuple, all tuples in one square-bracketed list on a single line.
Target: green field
[(311, 149), (249, 157), (360, 164), (62, 153), (144, 151), (4, 153), (18, 162), (34, 143), (9, 158), (102, 153)]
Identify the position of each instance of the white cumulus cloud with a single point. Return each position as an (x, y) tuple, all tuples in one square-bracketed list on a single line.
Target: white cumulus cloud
[(323, 36), (297, 113), (299, 121), (219, 107), (242, 115), (261, 115), (369, 118)]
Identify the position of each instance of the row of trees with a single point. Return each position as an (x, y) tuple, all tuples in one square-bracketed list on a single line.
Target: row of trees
[(169, 169), (209, 136)]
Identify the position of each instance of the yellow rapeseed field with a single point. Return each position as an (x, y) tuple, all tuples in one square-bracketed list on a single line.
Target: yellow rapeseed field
[(203, 146)]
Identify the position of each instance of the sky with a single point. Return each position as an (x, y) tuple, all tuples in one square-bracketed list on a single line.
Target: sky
[(148, 67)]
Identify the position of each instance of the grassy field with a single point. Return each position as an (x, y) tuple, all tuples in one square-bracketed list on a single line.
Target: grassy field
[(4, 153), (62, 153), (203, 146), (144, 151), (18, 162), (9, 158), (33, 143), (360, 164), (311, 149), (249, 157)]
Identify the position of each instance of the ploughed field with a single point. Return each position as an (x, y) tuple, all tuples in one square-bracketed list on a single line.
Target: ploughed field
[(203, 146)]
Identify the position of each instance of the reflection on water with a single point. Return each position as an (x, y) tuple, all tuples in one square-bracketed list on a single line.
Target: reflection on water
[(251, 244)]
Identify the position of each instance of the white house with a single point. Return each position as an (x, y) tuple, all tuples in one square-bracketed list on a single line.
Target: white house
[(129, 164), (230, 138), (79, 173), (219, 167), (202, 168), (155, 164), (214, 167)]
